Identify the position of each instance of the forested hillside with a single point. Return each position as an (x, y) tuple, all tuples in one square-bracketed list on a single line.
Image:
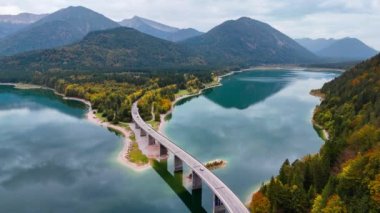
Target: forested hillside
[(119, 49), (345, 175), (247, 42)]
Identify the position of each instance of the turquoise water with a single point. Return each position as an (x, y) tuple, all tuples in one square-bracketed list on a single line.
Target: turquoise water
[(53, 160), (254, 121)]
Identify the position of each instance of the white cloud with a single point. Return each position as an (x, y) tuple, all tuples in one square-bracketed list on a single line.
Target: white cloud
[(9, 9), (297, 18)]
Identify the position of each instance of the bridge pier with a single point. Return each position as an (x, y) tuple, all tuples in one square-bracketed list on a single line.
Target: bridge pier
[(136, 125), (218, 206), (150, 140), (178, 164), (224, 200), (197, 181), (163, 151)]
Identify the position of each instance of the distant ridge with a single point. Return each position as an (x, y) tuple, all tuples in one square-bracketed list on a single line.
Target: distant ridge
[(159, 30), (22, 18), (10, 24), (344, 49), (57, 29), (315, 45), (348, 48)]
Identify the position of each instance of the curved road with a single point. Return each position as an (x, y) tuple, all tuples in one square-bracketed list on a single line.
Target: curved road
[(231, 202)]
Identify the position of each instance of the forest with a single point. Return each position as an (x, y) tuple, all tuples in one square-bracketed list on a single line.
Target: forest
[(112, 94), (345, 175)]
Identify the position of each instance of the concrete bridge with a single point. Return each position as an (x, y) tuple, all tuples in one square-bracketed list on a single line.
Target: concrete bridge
[(224, 198)]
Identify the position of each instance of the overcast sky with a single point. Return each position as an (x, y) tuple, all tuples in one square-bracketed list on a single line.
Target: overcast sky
[(296, 18)]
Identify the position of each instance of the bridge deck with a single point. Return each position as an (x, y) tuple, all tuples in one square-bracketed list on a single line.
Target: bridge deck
[(228, 198)]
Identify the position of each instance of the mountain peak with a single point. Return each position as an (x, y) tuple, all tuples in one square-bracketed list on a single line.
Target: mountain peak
[(249, 42), (348, 49), (159, 30), (60, 28)]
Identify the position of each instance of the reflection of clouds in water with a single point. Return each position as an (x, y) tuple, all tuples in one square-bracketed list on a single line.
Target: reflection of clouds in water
[(51, 161), (41, 174), (289, 76), (258, 138), (265, 79), (296, 91), (35, 117)]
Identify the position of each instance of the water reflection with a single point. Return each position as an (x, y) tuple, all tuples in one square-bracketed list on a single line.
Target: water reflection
[(248, 89), (54, 161), (254, 121), (37, 99), (193, 200)]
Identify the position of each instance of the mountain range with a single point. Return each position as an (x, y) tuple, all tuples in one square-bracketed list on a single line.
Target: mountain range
[(344, 49), (49, 41), (10, 24), (236, 43), (159, 30)]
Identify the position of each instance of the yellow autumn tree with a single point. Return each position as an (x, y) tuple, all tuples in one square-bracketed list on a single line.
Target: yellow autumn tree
[(335, 205), (260, 203), (374, 188)]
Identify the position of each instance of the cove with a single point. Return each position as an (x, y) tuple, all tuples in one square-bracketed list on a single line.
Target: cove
[(53, 160), (255, 121)]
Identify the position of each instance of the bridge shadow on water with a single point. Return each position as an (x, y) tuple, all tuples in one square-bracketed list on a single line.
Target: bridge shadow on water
[(193, 201)]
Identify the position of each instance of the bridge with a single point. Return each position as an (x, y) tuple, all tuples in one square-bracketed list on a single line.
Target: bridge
[(224, 198)]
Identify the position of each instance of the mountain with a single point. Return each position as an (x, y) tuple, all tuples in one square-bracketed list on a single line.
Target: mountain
[(63, 27), (248, 42), (348, 48), (159, 30), (7, 29), (119, 49), (339, 49), (315, 45), (22, 18), (241, 43), (10, 24)]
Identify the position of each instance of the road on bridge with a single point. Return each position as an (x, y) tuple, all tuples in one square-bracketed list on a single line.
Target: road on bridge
[(231, 202)]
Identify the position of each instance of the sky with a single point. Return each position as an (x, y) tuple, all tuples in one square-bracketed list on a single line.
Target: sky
[(296, 18)]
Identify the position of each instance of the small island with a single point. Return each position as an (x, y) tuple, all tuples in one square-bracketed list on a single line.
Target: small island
[(215, 164)]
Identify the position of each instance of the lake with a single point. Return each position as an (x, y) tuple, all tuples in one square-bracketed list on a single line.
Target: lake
[(255, 121), (53, 160)]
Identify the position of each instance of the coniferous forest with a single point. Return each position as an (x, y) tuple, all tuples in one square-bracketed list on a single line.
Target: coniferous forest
[(344, 176)]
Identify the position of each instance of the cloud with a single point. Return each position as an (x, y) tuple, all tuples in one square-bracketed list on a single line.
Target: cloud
[(10, 9), (297, 18)]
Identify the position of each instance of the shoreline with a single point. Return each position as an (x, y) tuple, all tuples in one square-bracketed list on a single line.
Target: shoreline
[(324, 134), (297, 68), (91, 117), (218, 83)]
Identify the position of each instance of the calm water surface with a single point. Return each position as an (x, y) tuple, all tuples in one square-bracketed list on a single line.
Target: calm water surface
[(254, 121), (53, 160)]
